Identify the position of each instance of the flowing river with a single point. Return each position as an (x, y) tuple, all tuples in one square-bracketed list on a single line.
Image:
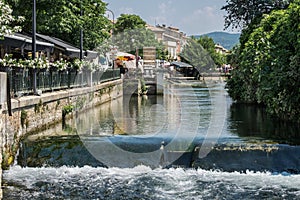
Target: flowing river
[(192, 142)]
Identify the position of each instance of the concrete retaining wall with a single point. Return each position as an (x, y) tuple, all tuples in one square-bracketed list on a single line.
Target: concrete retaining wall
[(33, 113)]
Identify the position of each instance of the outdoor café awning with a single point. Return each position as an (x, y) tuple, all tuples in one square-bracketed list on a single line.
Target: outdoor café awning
[(67, 48), (181, 64), (25, 42)]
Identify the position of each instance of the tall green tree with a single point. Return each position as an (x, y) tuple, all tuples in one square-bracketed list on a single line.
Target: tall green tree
[(131, 34), (62, 19), (245, 15), (7, 21), (268, 69), (241, 13), (201, 54), (129, 22), (209, 45)]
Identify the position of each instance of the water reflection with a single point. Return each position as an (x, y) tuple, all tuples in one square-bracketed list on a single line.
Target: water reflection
[(56, 151), (251, 121), (130, 115), (165, 115)]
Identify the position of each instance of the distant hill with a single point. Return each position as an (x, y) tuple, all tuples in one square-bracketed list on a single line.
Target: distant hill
[(227, 40)]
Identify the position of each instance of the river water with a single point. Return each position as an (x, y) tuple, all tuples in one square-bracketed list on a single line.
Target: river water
[(144, 148)]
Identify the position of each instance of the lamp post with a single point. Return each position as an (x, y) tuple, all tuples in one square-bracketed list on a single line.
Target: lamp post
[(136, 57), (112, 38), (81, 35), (112, 32), (34, 44)]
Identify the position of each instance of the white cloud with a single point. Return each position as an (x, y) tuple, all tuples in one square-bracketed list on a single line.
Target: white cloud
[(206, 11), (202, 20), (166, 7), (165, 13), (126, 10), (163, 8)]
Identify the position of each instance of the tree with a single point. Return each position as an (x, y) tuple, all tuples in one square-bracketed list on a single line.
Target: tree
[(201, 54), (209, 45), (131, 34), (129, 22), (62, 19), (268, 68), (7, 20), (241, 13)]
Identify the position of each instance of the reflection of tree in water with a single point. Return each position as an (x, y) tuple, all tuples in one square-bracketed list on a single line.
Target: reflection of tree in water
[(55, 151), (141, 114), (253, 121)]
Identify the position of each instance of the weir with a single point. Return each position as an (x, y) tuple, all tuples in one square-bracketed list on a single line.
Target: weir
[(275, 158), (230, 157)]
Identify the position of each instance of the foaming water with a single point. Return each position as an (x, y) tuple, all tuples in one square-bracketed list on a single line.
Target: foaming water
[(140, 127), (142, 182)]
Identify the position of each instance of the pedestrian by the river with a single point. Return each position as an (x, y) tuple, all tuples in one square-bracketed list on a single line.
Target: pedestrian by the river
[(119, 63)]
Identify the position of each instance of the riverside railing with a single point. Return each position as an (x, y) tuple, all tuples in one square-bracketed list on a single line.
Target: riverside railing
[(21, 79)]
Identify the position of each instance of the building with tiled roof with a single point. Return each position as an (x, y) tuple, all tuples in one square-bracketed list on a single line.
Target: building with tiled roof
[(172, 38)]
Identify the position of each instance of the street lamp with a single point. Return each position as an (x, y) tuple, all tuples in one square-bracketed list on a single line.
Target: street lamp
[(112, 32), (34, 44), (136, 56), (112, 38), (81, 34)]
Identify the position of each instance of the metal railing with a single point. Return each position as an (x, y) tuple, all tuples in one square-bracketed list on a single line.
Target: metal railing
[(21, 79)]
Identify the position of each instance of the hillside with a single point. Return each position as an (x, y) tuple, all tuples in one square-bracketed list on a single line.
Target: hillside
[(227, 40)]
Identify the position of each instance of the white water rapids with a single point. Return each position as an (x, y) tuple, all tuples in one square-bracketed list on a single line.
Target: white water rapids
[(142, 182)]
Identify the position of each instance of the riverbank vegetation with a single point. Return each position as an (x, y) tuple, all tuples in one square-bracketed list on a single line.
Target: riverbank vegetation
[(267, 60), (200, 52)]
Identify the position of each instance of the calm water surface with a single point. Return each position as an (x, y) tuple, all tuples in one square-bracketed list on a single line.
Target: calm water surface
[(115, 151)]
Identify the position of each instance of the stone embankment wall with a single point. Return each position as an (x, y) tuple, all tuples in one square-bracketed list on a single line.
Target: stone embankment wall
[(3, 80), (33, 113)]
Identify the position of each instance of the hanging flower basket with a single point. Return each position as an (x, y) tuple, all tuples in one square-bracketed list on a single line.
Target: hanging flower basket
[(60, 65), (77, 64), (8, 61)]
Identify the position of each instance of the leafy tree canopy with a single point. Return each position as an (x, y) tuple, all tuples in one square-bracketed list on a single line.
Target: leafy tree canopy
[(7, 20), (129, 21), (240, 13), (201, 54), (62, 19), (268, 65), (131, 33)]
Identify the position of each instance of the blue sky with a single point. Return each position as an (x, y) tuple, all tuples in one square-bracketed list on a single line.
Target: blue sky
[(190, 16)]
